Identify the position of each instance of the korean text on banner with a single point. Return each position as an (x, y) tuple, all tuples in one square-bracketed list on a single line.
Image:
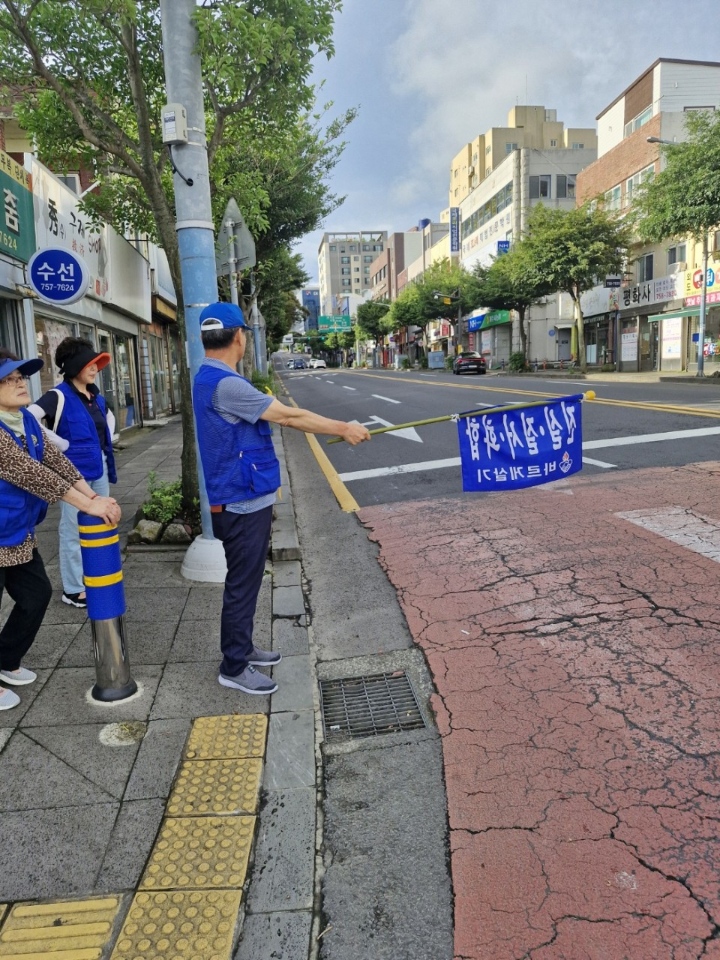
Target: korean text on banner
[(522, 447)]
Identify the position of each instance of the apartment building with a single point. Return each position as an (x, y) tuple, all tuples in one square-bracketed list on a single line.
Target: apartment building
[(494, 213), (649, 324), (344, 262), (528, 127), (400, 250)]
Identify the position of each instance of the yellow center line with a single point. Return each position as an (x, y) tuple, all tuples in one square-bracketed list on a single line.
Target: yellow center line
[(632, 404), (345, 499)]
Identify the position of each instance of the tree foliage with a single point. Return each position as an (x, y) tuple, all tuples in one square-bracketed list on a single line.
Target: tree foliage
[(511, 283), (573, 250), (684, 198), (87, 84), (373, 319)]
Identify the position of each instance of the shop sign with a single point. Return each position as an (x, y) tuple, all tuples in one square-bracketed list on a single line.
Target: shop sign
[(671, 338), (454, 229), (693, 287), (712, 297), (59, 222), (628, 352), (58, 276), (475, 323), (17, 232), (491, 319), (488, 232), (654, 291)]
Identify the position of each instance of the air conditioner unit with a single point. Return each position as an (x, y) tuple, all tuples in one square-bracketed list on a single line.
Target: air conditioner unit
[(679, 266), (471, 171)]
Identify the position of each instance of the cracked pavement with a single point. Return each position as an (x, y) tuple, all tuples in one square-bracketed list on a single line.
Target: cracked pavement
[(575, 652)]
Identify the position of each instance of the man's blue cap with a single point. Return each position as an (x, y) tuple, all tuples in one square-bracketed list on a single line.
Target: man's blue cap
[(26, 367), (221, 316)]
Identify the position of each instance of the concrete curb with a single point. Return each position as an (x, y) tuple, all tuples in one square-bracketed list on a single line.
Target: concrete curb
[(280, 914)]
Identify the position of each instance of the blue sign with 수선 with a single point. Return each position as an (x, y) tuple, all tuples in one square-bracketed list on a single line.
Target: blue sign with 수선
[(57, 275), (521, 447)]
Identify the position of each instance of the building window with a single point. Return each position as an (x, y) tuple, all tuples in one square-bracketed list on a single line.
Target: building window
[(345, 270), (677, 254), (564, 187), (578, 146), (553, 143), (639, 121), (488, 148), (344, 259), (613, 198), (356, 259), (634, 182), (333, 248), (645, 268), (488, 171), (352, 248), (366, 246), (366, 269), (346, 283), (509, 147), (342, 249), (494, 206), (356, 269), (378, 247), (540, 187), (367, 259)]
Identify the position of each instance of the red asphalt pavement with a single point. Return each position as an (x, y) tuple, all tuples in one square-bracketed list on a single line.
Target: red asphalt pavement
[(577, 662)]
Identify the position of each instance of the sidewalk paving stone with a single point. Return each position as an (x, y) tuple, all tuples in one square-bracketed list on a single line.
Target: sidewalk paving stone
[(288, 602), (192, 690), (51, 644), (158, 759), (290, 759), (129, 845), (285, 936), (289, 638), (153, 604), (295, 684), (196, 640), (287, 573), (148, 642), (285, 849), (80, 746)]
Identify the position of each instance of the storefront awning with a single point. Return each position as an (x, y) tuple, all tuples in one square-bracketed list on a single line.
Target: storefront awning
[(564, 326), (687, 312)]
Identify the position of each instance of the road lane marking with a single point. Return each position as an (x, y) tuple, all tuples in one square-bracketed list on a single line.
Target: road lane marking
[(349, 388), (406, 433), (651, 438), (389, 399), (684, 527), (600, 463), (589, 445)]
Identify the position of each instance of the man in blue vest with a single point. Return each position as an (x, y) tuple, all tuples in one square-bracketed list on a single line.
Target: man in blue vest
[(242, 476)]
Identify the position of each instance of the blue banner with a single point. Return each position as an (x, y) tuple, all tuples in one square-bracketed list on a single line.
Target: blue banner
[(522, 447)]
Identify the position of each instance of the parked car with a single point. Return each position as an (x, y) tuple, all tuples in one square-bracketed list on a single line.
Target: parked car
[(315, 363), (469, 363), (298, 364)]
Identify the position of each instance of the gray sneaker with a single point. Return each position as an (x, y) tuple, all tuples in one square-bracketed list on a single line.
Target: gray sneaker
[(264, 658), (249, 681)]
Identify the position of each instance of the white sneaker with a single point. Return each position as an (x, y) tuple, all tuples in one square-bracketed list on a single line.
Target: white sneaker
[(19, 677), (8, 699)]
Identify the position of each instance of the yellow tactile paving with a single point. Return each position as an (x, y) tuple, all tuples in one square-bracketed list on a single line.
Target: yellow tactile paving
[(216, 787), (200, 853), (224, 738), (65, 930), (190, 924)]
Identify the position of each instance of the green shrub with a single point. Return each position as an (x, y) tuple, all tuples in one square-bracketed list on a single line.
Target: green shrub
[(423, 362), (517, 361), (449, 362), (405, 363), (266, 384), (607, 368), (165, 500)]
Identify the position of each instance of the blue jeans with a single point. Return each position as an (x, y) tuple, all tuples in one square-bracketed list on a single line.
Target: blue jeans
[(71, 569), (246, 538)]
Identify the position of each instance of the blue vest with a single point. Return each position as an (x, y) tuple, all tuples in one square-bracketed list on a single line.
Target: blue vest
[(78, 427), (20, 511), (238, 459)]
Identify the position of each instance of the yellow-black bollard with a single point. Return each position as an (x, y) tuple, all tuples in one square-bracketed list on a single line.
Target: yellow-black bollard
[(102, 569)]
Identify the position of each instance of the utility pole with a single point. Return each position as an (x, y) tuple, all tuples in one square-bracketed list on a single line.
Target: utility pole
[(703, 310), (205, 559)]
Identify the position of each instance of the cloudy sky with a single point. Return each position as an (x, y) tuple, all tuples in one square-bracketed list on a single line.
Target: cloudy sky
[(429, 75)]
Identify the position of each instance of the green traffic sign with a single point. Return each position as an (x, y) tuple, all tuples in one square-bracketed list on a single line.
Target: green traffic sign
[(334, 324)]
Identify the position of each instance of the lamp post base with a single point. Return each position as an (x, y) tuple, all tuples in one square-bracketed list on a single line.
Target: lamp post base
[(205, 561)]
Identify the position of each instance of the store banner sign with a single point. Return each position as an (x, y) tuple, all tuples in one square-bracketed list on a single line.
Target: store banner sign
[(17, 233), (454, 229), (521, 447)]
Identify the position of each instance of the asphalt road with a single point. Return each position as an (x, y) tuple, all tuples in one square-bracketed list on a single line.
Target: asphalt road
[(628, 426)]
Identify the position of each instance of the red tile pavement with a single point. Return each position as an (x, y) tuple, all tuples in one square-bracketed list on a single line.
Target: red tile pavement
[(577, 662)]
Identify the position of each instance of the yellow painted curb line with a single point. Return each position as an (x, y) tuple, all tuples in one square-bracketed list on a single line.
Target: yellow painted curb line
[(345, 499)]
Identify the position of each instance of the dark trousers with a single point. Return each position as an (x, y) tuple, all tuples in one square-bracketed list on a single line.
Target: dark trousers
[(246, 538), (28, 585)]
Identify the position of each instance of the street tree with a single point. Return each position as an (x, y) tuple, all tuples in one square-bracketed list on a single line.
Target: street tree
[(510, 283), (443, 291), (373, 319), (573, 250), (88, 85)]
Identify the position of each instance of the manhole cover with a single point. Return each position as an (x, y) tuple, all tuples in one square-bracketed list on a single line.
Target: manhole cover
[(369, 706)]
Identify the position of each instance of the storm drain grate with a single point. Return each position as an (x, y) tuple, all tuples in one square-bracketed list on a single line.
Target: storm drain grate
[(369, 706)]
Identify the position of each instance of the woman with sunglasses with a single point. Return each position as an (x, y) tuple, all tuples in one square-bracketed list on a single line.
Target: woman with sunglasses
[(33, 473)]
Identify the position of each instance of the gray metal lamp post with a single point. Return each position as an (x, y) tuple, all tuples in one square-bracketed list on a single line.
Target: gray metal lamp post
[(703, 297)]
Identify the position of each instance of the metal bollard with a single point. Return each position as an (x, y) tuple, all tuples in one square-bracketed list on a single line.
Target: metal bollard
[(102, 568)]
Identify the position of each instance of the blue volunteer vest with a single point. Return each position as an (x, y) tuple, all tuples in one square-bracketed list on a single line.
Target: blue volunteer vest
[(78, 428), (238, 459), (20, 511)]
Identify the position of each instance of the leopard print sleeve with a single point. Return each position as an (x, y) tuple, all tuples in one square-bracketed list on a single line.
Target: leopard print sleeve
[(18, 468)]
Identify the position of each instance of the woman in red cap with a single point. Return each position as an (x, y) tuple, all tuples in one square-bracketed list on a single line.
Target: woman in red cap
[(33, 473), (76, 412)]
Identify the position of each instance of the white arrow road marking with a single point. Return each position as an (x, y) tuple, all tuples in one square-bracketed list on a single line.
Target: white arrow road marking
[(407, 433), (389, 399), (691, 530)]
